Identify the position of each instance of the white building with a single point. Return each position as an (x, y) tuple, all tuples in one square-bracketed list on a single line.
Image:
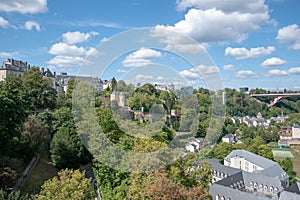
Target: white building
[(296, 132)]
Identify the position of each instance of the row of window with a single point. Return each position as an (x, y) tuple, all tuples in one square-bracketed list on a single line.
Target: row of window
[(262, 187), (218, 197)]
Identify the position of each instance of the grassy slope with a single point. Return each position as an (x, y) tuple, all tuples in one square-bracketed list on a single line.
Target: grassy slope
[(43, 171)]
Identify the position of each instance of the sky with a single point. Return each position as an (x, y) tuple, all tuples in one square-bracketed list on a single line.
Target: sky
[(253, 43)]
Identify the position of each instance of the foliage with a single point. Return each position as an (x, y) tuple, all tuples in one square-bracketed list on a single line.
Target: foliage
[(157, 185), (113, 183), (68, 185), (13, 195), (288, 167), (66, 149), (38, 89)]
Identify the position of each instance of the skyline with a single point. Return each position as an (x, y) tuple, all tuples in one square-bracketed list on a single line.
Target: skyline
[(254, 44)]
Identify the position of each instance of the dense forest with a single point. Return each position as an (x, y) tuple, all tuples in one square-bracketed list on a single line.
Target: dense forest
[(35, 118)]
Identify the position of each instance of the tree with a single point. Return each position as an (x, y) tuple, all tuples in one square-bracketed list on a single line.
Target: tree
[(66, 149), (13, 111), (288, 167), (158, 186), (34, 134), (15, 195), (38, 89), (68, 185), (113, 183)]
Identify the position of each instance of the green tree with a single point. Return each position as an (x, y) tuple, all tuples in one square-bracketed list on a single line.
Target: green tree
[(13, 111), (38, 89), (16, 195), (113, 183), (68, 185), (66, 149)]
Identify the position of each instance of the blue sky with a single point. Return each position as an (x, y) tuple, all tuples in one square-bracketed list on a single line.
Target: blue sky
[(254, 43)]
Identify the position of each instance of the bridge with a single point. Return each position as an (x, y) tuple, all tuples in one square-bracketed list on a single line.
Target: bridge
[(278, 96)]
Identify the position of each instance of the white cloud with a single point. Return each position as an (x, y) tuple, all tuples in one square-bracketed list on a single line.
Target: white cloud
[(203, 69), (77, 37), (121, 71), (243, 53), (8, 54), (294, 70), (274, 61), (210, 24), (196, 73), (92, 52), (104, 39), (24, 6), (228, 6), (276, 72), (141, 57), (3, 22), (66, 50), (29, 25), (160, 78), (243, 74), (66, 61), (229, 67), (290, 34), (190, 75), (144, 77)]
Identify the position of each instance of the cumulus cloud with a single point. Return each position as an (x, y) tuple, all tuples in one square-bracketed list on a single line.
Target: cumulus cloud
[(190, 75), (66, 50), (243, 53), (121, 71), (219, 21), (290, 34), (228, 6), (8, 54), (144, 77), (77, 37), (276, 72), (196, 73), (229, 67), (274, 61), (66, 53), (24, 6), (3, 22), (29, 25), (92, 52), (141, 57), (65, 61), (294, 70), (243, 74), (291, 71)]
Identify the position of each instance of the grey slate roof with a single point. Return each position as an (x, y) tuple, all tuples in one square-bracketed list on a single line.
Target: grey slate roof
[(295, 188), (256, 159), (219, 167)]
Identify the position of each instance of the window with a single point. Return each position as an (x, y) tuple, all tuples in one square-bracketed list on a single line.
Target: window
[(255, 185), (254, 167)]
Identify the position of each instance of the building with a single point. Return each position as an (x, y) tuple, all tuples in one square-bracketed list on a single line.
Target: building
[(229, 138), (63, 79), (119, 97), (249, 176), (13, 67), (289, 133)]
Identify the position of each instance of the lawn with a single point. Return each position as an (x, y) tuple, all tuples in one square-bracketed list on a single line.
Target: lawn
[(43, 171), (296, 160)]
